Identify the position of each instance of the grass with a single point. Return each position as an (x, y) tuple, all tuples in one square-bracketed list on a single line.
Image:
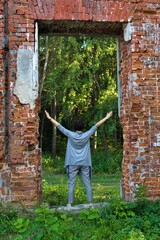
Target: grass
[(104, 186), (120, 221)]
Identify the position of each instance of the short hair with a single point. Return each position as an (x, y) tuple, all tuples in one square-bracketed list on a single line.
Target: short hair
[(78, 125)]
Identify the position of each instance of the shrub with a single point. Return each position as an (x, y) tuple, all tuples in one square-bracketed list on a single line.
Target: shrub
[(109, 162), (7, 215), (55, 165), (45, 224), (102, 162), (57, 195), (119, 220)]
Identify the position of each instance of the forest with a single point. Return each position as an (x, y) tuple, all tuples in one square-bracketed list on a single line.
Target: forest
[(78, 79)]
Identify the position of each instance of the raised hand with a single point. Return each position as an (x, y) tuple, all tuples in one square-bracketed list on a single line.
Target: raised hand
[(47, 115), (109, 114)]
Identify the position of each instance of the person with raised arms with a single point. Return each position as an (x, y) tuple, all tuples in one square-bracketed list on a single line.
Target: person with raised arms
[(78, 154)]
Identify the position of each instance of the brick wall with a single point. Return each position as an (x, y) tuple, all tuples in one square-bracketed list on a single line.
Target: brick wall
[(20, 165), (20, 177), (140, 110)]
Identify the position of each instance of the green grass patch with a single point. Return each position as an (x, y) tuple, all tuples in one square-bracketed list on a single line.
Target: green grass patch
[(55, 188)]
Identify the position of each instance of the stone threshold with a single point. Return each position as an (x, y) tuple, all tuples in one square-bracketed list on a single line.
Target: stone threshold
[(80, 207)]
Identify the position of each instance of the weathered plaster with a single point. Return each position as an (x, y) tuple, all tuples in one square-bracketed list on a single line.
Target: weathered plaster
[(133, 86), (128, 32), (26, 86), (157, 142), (26, 89)]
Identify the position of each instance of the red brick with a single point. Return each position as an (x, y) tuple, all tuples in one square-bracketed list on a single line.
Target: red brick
[(140, 100)]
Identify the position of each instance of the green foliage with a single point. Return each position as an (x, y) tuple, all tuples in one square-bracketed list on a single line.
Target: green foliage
[(57, 195), (81, 79), (121, 209), (119, 220), (22, 225), (54, 195), (102, 162), (109, 162), (141, 192), (55, 165), (45, 224), (7, 215), (55, 186), (86, 215)]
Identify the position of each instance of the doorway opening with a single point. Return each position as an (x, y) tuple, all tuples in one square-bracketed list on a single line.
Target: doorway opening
[(78, 79)]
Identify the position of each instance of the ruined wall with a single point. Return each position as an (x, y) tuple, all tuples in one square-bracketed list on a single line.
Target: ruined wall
[(140, 110), (20, 176)]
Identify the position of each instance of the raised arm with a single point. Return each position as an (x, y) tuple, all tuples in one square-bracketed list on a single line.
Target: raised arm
[(55, 123), (104, 119)]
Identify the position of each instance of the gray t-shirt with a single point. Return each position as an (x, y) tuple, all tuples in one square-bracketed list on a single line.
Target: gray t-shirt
[(78, 147)]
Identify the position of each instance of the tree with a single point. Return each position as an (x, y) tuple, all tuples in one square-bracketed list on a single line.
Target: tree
[(81, 81)]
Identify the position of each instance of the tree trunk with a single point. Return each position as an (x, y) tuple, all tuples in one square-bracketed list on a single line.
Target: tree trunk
[(40, 92), (41, 130), (104, 141), (54, 136), (44, 68), (115, 134)]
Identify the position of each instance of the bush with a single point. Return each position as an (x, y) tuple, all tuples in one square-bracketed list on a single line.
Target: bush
[(109, 162), (44, 224), (55, 165), (119, 220), (102, 162), (7, 216), (57, 195)]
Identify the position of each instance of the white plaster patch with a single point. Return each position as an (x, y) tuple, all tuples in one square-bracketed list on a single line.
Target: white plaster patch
[(35, 62), (130, 167), (140, 150), (26, 86), (143, 174), (157, 143), (128, 32), (132, 85)]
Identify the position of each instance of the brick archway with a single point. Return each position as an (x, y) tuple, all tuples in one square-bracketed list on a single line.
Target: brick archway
[(137, 24)]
